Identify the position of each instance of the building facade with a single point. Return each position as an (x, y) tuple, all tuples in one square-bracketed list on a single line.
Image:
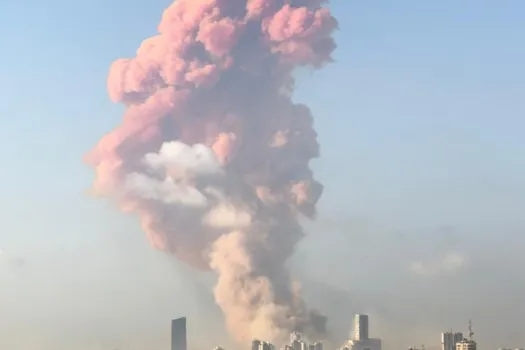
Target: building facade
[(178, 334), (466, 345), (361, 337), (360, 327), (450, 339)]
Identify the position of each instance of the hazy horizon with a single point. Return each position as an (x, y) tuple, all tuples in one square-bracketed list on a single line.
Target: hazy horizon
[(421, 223)]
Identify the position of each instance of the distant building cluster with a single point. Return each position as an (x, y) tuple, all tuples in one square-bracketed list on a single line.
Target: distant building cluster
[(262, 345), (360, 339), (297, 342)]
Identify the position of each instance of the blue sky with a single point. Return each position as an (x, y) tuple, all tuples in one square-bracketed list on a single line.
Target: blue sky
[(420, 121)]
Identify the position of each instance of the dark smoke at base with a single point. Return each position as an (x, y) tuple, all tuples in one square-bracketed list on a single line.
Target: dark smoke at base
[(213, 155)]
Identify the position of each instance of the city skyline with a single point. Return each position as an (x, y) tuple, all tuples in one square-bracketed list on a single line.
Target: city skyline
[(359, 339)]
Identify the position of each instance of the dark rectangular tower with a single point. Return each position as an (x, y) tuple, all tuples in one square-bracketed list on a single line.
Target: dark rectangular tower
[(178, 334)]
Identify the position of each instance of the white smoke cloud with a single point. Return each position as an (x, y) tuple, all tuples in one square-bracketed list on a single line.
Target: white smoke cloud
[(167, 190), (178, 156), (227, 216), (170, 174), (449, 264)]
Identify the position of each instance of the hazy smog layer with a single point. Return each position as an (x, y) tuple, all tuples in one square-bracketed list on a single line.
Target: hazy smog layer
[(213, 155)]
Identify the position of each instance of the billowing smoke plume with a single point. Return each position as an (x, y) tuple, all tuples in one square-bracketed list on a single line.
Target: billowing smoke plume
[(213, 155)]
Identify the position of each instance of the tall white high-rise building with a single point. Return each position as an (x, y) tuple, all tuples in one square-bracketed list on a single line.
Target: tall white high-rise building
[(360, 327), (450, 339), (361, 339)]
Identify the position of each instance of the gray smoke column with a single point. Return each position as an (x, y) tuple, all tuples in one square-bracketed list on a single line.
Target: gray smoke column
[(213, 155)]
